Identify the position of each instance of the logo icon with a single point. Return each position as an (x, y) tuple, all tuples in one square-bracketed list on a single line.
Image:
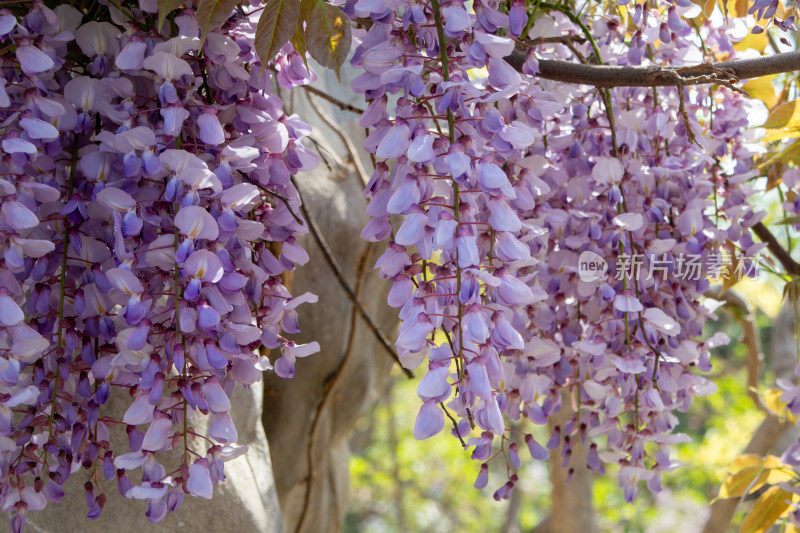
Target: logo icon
[(591, 267)]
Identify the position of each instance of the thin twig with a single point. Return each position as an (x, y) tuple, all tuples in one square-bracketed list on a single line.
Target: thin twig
[(455, 424), (348, 144), (656, 353), (321, 150), (558, 39), (335, 101), (337, 271), (742, 311), (277, 196), (582, 59), (567, 40), (682, 111)]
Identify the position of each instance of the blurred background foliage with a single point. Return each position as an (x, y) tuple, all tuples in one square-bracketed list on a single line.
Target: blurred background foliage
[(399, 484)]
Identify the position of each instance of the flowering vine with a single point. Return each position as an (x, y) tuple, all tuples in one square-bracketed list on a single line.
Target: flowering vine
[(148, 213), (145, 186), (503, 182)]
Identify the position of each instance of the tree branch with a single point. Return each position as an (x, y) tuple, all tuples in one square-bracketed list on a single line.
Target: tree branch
[(348, 144), (741, 310), (659, 76), (335, 101), (280, 197), (339, 274), (780, 253)]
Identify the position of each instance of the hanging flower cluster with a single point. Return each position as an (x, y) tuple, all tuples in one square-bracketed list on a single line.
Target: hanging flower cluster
[(506, 182), (146, 215), (543, 258)]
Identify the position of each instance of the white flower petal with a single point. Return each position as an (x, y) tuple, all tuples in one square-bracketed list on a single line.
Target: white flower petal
[(196, 223)]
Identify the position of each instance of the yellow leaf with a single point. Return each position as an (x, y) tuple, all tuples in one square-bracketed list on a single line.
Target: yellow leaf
[(745, 481), (751, 459), (758, 42), (762, 89), (772, 401), (707, 7), (735, 8), (780, 135), (772, 397), (750, 479), (779, 475), (767, 510), (785, 116), (734, 272)]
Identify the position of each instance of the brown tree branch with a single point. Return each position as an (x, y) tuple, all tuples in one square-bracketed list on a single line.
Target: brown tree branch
[(660, 76), (339, 274), (280, 197), (790, 265), (348, 144), (335, 101), (741, 310), (723, 73)]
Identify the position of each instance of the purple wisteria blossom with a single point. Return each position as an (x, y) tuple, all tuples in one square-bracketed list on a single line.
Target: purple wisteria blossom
[(502, 182), (142, 232)]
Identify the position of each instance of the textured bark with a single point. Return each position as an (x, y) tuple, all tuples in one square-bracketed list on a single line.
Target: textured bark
[(246, 502), (572, 510), (780, 253), (325, 399), (655, 76)]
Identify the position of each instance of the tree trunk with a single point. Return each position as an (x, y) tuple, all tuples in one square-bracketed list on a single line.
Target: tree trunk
[(572, 510)]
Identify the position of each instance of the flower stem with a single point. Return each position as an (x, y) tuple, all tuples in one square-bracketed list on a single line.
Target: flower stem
[(62, 291), (437, 17)]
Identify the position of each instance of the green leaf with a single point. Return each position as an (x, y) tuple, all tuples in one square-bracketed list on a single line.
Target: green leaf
[(298, 40), (328, 36), (788, 220), (766, 511), (276, 26), (165, 7), (211, 14), (306, 7)]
